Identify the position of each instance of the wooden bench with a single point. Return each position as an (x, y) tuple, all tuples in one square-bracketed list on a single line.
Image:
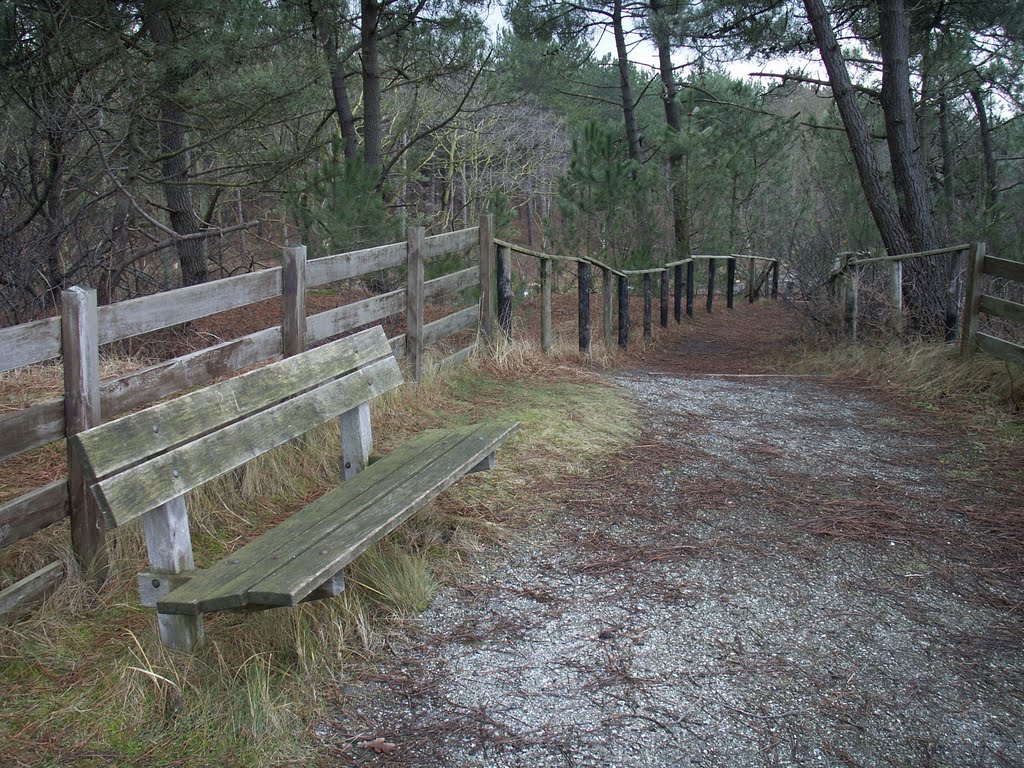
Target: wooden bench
[(142, 465)]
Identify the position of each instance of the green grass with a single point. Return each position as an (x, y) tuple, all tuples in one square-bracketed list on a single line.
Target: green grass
[(87, 683)]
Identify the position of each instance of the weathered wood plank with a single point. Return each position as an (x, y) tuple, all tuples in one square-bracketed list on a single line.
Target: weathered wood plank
[(169, 545), (35, 510), (503, 266), (31, 590), (29, 343), (1009, 270), (398, 346), (583, 302), (344, 266), (32, 427), (545, 305), (690, 287), (222, 586), (663, 299), (80, 348), (333, 322), (972, 298), (356, 440), (648, 305), (1010, 310), (121, 443), (128, 494), (905, 256), (293, 295), (450, 283), (414, 301), (451, 242), (296, 577), (455, 358), (161, 310), (1002, 349), (486, 264), (451, 324)]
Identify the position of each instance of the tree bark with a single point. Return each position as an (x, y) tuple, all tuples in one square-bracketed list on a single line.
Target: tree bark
[(659, 30), (900, 128), (177, 161), (872, 180), (625, 86), (988, 156), (338, 69), (373, 130)]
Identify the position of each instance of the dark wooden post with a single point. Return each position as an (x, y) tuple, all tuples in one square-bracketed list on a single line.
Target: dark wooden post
[(664, 299), (503, 264), (751, 276), (678, 280), (711, 283), (607, 307), (623, 311), (583, 287), (730, 281), (690, 269), (545, 304), (972, 298), (414, 300), (293, 295), (486, 258), (775, 279), (648, 301), (81, 349)]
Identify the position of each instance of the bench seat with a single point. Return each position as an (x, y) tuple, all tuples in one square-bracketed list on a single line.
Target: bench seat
[(289, 562)]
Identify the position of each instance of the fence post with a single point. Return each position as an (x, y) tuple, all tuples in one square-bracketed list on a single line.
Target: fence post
[(896, 287), (854, 309), (775, 279), (293, 293), (545, 304), (623, 311), (663, 318), (81, 350), (677, 279), (416, 245), (690, 269), (972, 298), (583, 289), (487, 276), (730, 281), (607, 307), (648, 301), (751, 276), (711, 283), (503, 264)]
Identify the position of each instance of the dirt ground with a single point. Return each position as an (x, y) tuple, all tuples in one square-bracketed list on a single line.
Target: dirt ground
[(784, 570)]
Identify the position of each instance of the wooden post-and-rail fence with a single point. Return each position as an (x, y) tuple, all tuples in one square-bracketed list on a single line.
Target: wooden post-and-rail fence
[(615, 296), (76, 336)]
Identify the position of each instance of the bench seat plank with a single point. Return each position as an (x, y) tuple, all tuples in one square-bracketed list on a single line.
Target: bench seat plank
[(119, 444), (290, 561), (296, 578), (134, 491)]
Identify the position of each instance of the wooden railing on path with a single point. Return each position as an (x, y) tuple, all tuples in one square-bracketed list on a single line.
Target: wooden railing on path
[(683, 290), (77, 335)]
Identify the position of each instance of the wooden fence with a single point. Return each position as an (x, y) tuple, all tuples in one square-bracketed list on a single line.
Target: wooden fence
[(615, 290), (977, 303), (76, 336)]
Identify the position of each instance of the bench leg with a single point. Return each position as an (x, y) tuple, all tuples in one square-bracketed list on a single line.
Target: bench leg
[(170, 551), (485, 464), (356, 440), (333, 587)]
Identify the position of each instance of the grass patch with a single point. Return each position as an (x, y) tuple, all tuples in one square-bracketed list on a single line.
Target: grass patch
[(86, 681)]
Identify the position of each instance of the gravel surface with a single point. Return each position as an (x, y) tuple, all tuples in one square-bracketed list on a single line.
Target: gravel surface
[(746, 587)]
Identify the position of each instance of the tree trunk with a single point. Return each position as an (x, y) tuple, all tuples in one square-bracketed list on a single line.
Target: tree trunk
[(674, 122), (872, 179), (946, 145), (373, 126), (176, 159), (625, 86), (900, 130), (988, 157)]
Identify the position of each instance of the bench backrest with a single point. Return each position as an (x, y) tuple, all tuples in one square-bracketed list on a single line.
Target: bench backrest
[(146, 459)]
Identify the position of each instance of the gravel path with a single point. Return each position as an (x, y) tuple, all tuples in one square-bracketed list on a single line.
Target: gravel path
[(782, 574)]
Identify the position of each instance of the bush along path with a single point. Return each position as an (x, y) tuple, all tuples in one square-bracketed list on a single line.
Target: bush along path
[(779, 570)]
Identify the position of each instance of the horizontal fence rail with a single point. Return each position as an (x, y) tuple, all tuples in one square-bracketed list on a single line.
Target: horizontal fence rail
[(976, 303), (77, 335)]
